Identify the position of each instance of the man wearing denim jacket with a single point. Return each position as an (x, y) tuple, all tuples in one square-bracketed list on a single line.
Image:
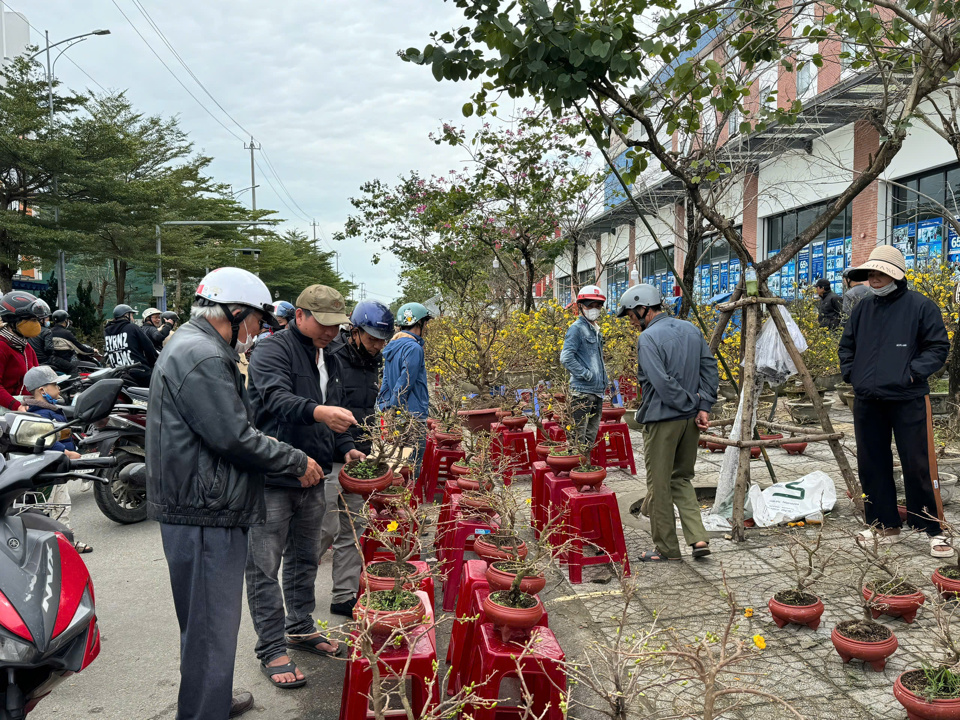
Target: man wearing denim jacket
[(582, 357)]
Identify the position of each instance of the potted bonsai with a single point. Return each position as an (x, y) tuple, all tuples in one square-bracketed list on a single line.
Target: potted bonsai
[(946, 578), (558, 412), (799, 604), (479, 413), (446, 424), (400, 537), (512, 415), (389, 434), (932, 692), (505, 543), (584, 476)]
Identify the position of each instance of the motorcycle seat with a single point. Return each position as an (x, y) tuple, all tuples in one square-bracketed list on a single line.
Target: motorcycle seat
[(138, 392)]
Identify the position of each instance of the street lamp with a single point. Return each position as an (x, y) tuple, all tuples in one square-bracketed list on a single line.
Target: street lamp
[(61, 258), (238, 193)]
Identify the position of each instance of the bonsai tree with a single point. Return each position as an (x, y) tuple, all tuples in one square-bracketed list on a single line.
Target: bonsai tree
[(809, 560), (390, 433), (937, 680)]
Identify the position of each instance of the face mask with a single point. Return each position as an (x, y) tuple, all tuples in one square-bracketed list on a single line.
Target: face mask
[(28, 328), (46, 323), (885, 290), (591, 314), (242, 347), (49, 398)]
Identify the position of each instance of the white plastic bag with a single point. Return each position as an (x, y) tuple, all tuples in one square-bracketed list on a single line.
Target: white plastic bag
[(805, 498), (773, 360)]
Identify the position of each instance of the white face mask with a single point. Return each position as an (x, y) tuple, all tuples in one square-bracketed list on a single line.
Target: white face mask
[(592, 314), (245, 345)]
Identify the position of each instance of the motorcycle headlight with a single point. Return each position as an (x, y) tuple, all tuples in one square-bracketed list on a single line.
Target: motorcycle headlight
[(81, 618), (16, 651), (26, 431)]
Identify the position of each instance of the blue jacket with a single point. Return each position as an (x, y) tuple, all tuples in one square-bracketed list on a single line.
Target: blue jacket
[(57, 417), (582, 357), (405, 376), (676, 370)]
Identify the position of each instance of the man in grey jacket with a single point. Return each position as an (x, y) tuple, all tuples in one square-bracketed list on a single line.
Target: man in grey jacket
[(205, 466), (678, 377)]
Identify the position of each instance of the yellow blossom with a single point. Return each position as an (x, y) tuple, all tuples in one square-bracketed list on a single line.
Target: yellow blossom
[(392, 526), (759, 642), (748, 612)]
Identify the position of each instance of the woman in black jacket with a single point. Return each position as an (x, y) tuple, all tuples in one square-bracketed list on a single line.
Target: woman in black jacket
[(894, 341)]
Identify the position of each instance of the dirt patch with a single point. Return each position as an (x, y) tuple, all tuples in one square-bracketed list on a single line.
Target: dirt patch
[(524, 601), (864, 630), (950, 571), (932, 683), (794, 597), (390, 569), (894, 586)]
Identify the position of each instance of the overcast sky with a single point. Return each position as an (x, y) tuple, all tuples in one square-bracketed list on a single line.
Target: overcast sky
[(318, 83)]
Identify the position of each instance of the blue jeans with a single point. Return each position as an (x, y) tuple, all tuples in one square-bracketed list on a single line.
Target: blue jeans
[(291, 534)]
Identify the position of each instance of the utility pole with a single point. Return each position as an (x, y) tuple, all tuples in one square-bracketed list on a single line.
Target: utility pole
[(363, 291), (351, 289), (315, 225), (253, 172)]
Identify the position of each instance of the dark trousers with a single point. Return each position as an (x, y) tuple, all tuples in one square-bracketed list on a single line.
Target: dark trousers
[(206, 575), (291, 535), (874, 421), (586, 411)]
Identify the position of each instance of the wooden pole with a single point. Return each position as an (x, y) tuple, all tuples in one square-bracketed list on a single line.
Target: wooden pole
[(853, 485), (748, 398), (723, 320), (932, 455)]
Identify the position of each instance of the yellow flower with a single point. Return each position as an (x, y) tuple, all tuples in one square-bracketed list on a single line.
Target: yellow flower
[(748, 612), (569, 428), (759, 642), (392, 526), (529, 501)]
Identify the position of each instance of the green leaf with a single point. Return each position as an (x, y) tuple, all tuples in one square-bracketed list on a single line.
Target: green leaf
[(467, 109)]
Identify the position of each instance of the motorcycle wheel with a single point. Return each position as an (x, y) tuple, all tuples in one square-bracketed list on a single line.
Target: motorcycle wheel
[(118, 500)]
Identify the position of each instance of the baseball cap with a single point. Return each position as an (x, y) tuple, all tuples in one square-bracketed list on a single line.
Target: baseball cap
[(325, 304), (885, 258), (40, 376)]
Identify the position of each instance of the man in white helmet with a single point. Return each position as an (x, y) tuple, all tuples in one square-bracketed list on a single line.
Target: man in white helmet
[(582, 357), (205, 467), (156, 327), (678, 376)]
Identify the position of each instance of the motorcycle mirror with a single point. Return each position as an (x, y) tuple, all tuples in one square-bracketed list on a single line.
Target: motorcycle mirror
[(96, 402)]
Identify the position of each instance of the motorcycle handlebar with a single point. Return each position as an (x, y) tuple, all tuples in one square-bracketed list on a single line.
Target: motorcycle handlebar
[(93, 463)]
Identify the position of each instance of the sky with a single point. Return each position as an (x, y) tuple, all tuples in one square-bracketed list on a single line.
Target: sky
[(317, 82)]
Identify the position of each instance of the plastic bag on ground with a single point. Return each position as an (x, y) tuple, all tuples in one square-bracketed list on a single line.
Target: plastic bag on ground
[(807, 497)]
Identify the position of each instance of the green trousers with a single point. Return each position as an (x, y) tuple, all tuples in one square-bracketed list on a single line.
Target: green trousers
[(670, 454)]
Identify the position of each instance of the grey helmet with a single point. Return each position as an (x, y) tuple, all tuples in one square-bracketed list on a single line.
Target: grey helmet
[(642, 295)]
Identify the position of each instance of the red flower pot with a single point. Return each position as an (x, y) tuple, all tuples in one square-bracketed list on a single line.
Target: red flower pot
[(702, 442), (612, 414), (563, 463), (479, 420), (874, 653), (715, 447), (458, 470), (948, 587), (587, 478), (480, 504), (382, 500), (431, 424), (508, 618), (375, 582), (363, 486), (903, 606), (794, 448), (774, 436), (447, 439), (385, 622), (919, 708), (513, 422), (544, 450), (502, 580), (808, 615), (755, 452), (488, 551)]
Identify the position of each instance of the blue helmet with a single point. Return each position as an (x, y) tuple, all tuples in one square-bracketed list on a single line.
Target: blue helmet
[(373, 318), (285, 310)]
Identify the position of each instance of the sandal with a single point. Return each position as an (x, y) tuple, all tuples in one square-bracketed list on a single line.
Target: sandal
[(310, 645), (939, 541), (270, 672), (82, 548), (699, 552), (656, 556), (866, 537)]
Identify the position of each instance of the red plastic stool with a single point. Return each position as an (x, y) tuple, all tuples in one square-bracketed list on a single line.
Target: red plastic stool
[(493, 660), (520, 446), (614, 448), (414, 659), (426, 581), (437, 460), (450, 488), (609, 531), (551, 431), (473, 577), (374, 549), (457, 540), (538, 505)]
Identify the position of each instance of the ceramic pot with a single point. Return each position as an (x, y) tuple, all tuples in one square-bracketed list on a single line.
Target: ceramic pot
[(873, 653), (508, 618), (612, 414), (948, 587), (543, 450), (465, 483), (563, 463), (803, 412), (794, 448), (363, 486), (458, 470), (940, 403), (702, 443), (431, 424), (919, 708), (502, 580), (447, 439), (828, 382), (382, 499), (727, 392), (479, 420), (715, 447), (755, 452), (384, 622), (808, 615), (902, 606), (480, 504), (587, 478), (375, 582), (774, 436), (513, 422), (489, 551)]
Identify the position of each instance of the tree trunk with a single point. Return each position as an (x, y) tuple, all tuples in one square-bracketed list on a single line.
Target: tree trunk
[(748, 399), (6, 278), (953, 368), (530, 281), (694, 233), (101, 293), (120, 275), (574, 263)]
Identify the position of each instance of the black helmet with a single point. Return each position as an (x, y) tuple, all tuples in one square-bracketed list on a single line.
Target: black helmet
[(170, 315), (120, 310), (60, 316), (19, 305)]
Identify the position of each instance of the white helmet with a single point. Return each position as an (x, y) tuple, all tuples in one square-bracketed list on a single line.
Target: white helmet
[(642, 295), (236, 286), (150, 311)]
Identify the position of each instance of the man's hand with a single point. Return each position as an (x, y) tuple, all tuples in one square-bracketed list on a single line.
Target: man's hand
[(313, 475), (353, 455), (336, 418), (703, 420), (72, 455)]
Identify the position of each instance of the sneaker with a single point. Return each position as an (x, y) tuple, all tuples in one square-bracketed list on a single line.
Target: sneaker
[(240, 703), (344, 608)]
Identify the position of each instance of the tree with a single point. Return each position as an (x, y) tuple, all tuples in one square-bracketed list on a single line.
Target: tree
[(84, 313), (290, 262)]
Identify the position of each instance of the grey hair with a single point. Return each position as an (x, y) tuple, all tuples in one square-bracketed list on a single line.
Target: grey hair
[(212, 312)]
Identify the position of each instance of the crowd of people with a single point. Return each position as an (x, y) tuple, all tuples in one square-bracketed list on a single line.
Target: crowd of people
[(239, 468)]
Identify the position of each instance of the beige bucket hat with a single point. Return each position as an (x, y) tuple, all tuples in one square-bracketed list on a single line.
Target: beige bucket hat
[(885, 258)]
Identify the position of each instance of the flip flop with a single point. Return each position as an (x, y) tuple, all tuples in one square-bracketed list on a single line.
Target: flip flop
[(699, 552), (82, 548), (656, 556), (290, 667), (310, 645)]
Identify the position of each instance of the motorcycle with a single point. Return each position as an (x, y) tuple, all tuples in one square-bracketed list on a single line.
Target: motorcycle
[(48, 622)]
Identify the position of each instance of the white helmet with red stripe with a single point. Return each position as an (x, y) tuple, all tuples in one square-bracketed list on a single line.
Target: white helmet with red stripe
[(591, 292)]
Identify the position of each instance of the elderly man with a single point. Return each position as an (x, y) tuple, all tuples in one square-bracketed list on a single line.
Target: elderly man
[(205, 467), (828, 311), (678, 376), (895, 339), (296, 389)]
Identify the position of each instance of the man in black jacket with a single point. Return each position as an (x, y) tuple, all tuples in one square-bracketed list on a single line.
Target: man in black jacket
[(359, 352), (156, 327), (828, 313), (295, 389), (126, 344), (205, 467), (65, 344), (895, 339)]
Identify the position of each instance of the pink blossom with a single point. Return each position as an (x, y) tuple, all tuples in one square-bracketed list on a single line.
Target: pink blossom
[(421, 208)]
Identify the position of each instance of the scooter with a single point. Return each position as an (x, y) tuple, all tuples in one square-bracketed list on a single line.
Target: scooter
[(48, 622)]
